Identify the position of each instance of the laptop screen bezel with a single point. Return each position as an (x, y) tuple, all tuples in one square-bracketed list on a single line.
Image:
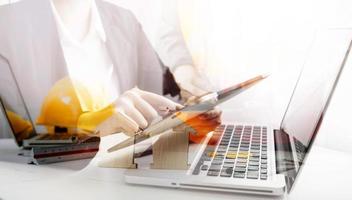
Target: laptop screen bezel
[(3, 107), (324, 108)]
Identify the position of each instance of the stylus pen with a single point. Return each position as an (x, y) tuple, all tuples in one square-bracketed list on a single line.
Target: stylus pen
[(202, 105)]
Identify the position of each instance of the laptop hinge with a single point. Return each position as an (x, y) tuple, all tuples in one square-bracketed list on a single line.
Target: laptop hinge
[(285, 163)]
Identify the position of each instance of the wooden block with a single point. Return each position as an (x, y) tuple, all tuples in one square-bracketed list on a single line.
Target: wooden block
[(123, 158), (171, 150)]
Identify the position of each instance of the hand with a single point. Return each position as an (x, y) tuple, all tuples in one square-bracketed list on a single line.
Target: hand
[(193, 85), (135, 110), (203, 124), (191, 82)]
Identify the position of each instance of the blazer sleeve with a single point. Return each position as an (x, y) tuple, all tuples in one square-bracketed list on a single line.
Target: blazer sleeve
[(151, 69), (170, 44)]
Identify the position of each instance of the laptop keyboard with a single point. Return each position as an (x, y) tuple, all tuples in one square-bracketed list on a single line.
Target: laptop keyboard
[(241, 153)]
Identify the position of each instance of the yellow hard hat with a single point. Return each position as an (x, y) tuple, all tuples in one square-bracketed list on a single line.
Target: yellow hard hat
[(62, 107), (90, 120), (22, 128)]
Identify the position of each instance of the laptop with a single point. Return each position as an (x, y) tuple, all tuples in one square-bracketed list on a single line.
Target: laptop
[(45, 147), (257, 158)]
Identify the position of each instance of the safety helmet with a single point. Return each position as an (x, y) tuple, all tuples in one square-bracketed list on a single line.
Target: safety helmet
[(61, 107)]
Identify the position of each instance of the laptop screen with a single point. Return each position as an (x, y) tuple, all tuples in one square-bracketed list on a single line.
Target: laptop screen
[(314, 89), (13, 107)]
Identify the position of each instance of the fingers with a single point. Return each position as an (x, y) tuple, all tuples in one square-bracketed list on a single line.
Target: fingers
[(133, 113), (118, 122), (157, 101), (126, 123), (144, 107), (136, 109)]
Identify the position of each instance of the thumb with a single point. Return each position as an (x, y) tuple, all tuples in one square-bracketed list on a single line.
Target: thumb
[(118, 122), (127, 125)]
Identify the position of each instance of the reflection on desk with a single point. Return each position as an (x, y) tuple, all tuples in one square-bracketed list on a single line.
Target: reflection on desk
[(325, 176)]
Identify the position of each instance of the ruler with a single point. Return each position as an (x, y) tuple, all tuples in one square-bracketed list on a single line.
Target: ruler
[(62, 153)]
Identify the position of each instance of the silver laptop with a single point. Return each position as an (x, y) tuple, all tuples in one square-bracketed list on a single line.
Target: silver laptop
[(22, 127), (256, 158)]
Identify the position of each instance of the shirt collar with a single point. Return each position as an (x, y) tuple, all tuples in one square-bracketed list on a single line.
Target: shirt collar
[(95, 25)]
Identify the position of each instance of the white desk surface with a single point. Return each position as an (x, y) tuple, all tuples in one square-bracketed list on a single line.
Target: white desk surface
[(325, 176)]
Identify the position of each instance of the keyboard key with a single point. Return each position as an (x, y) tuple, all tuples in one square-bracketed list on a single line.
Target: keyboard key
[(256, 155), (255, 144), (213, 173), (227, 170), (255, 151), (204, 167), (231, 156), (246, 153), (253, 168), (264, 166), (252, 175), (229, 161), (218, 160), (263, 171), (239, 175), (215, 168), (241, 160), (244, 148), (255, 148), (211, 154), (225, 141), (215, 162), (233, 148), (240, 169), (228, 165), (244, 165), (242, 156), (254, 159), (219, 157), (263, 177), (225, 174), (251, 163)]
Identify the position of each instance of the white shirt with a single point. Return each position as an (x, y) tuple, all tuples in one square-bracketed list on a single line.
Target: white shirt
[(89, 63)]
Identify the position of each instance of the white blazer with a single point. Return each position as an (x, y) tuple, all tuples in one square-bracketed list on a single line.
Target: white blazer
[(161, 22), (30, 46)]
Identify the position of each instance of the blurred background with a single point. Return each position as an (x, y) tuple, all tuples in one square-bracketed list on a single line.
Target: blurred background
[(231, 40)]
